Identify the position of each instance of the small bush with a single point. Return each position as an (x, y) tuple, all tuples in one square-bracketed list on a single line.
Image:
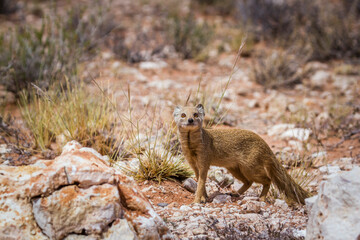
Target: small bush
[(44, 56), (7, 6), (333, 31), (87, 26), (159, 166), (159, 159), (68, 114), (278, 69), (189, 37), (30, 55), (329, 29), (269, 19), (222, 7)]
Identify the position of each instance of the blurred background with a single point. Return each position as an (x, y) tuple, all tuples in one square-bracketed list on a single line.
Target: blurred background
[(109, 73), (74, 69)]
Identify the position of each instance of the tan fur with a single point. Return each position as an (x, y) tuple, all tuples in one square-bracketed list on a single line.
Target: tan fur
[(243, 153)]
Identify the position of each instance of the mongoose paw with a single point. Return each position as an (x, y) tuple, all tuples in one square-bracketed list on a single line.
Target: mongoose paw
[(262, 199), (201, 199)]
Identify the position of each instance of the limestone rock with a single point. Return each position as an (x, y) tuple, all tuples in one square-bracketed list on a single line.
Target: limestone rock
[(92, 209), (120, 229), (77, 192), (335, 212)]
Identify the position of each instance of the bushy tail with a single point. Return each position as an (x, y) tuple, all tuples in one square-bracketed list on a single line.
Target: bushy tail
[(285, 183)]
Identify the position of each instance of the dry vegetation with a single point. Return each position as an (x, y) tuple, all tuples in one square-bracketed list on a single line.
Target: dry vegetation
[(47, 64), (41, 64)]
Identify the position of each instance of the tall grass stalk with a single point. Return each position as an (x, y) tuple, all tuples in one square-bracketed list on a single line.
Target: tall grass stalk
[(228, 81)]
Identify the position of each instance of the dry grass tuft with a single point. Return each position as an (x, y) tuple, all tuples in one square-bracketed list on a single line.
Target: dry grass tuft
[(57, 116)]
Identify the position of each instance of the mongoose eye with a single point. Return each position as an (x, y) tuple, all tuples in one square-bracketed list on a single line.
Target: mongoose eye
[(196, 115), (183, 115)]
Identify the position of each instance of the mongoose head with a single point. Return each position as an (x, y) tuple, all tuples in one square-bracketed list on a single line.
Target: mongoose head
[(189, 117)]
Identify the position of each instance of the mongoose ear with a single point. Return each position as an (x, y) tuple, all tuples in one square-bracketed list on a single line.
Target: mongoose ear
[(201, 109), (177, 110)]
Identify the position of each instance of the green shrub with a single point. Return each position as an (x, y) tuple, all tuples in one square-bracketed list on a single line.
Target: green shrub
[(189, 37)]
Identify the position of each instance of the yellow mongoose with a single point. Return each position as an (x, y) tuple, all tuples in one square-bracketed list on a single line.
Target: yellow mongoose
[(243, 153)]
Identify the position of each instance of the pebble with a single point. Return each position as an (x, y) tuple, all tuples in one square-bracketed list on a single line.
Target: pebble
[(4, 149), (190, 185), (223, 198), (199, 230), (329, 169), (162, 204)]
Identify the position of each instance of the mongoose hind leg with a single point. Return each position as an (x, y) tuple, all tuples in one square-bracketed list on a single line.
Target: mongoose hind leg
[(246, 183), (264, 192)]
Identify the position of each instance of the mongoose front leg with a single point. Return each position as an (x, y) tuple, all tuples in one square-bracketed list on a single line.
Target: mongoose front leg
[(195, 168), (200, 195)]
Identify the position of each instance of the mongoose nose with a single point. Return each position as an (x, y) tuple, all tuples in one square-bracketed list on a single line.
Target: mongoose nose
[(190, 120)]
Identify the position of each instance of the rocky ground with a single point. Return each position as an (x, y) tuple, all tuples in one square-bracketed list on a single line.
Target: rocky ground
[(291, 120)]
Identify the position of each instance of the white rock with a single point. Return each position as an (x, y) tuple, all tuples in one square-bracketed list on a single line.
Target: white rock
[(4, 149), (278, 129), (164, 84), (321, 154), (316, 66), (220, 176), (320, 78), (281, 203), (345, 82), (76, 191), (309, 202), (335, 214), (222, 198), (152, 65), (301, 134), (299, 233), (120, 229), (236, 186), (253, 103), (345, 160), (139, 76), (296, 145), (73, 210), (329, 169), (185, 208)]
